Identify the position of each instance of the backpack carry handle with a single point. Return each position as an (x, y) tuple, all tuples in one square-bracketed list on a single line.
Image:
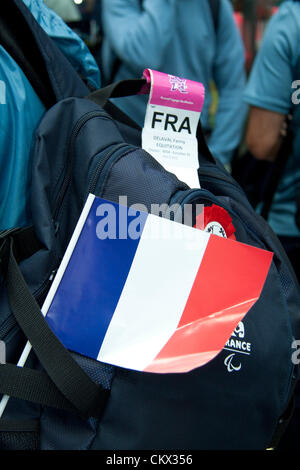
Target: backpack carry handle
[(51, 74), (119, 89)]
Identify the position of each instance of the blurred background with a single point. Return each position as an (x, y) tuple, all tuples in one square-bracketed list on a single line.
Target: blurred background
[(84, 17), (251, 16)]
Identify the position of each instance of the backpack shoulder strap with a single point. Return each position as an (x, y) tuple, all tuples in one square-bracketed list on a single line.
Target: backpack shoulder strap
[(50, 73), (279, 165), (215, 7)]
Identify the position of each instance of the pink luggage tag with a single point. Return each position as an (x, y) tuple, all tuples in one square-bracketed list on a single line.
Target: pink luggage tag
[(171, 122)]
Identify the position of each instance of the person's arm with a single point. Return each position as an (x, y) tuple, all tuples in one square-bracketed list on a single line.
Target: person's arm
[(270, 86), (230, 78), (138, 37), (70, 44), (265, 133)]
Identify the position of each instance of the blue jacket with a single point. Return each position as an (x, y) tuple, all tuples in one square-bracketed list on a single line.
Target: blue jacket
[(274, 85), (178, 37), (21, 111)]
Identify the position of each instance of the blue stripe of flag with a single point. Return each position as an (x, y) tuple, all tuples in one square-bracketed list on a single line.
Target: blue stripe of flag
[(89, 291)]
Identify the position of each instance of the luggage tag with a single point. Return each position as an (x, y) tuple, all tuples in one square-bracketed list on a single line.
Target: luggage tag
[(172, 115)]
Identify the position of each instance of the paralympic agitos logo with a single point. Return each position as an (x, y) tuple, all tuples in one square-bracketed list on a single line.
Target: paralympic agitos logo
[(236, 345)]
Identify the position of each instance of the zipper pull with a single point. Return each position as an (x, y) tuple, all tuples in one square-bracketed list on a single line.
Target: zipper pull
[(52, 275), (56, 227)]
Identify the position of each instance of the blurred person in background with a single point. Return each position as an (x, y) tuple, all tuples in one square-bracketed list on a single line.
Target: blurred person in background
[(272, 95), (179, 38), (66, 9), (21, 110), (84, 18)]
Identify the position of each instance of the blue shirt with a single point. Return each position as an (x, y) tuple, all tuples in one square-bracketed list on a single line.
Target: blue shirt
[(276, 68), (21, 111), (178, 37)]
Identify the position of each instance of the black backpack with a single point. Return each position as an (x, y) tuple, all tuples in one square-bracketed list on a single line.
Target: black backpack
[(62, 400)]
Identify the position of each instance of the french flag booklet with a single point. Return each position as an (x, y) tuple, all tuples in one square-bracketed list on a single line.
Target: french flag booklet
[(146, 293)]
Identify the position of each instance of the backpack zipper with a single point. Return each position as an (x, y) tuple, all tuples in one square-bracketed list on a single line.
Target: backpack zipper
[(205, 195), (69, 163), (208, 172), (210, 176), (182, 197), (7, 326), (107, 161)]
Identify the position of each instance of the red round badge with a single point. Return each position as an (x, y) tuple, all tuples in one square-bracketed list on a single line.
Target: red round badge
[(217, 221)]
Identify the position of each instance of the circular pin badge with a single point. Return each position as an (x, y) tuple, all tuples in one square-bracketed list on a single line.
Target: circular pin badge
[(216, 229), (216, 220)]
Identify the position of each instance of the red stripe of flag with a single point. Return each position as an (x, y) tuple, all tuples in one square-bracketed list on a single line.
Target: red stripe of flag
[(228, 283)]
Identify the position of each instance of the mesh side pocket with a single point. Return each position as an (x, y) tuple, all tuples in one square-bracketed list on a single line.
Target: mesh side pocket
[(19, 435)]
